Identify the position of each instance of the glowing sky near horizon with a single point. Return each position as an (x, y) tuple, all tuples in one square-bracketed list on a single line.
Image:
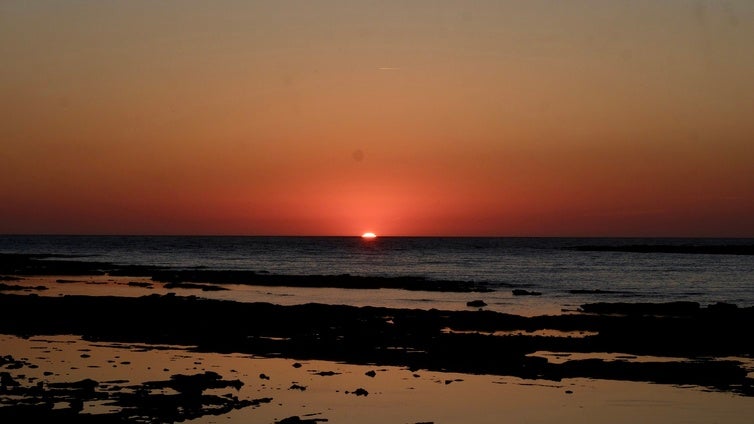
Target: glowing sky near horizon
[(528, 118)]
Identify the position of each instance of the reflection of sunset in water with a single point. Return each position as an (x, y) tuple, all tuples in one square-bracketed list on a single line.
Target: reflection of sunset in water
[(438, 397)]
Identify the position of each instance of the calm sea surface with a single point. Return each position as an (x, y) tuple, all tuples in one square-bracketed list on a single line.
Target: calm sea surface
[(544, 265)]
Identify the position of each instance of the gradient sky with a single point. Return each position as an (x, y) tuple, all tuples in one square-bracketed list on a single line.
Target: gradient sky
[(520, 118)]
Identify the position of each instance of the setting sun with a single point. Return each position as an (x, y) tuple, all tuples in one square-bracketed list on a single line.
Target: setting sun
[(369, 235)]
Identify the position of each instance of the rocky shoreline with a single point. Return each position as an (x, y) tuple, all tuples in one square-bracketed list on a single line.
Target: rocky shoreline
[(417, 339), (678, 343)]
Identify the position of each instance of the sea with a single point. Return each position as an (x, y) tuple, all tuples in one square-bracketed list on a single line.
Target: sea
[(558, 277)]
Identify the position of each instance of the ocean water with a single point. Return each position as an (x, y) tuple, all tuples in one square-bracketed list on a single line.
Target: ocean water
[(545, 265)]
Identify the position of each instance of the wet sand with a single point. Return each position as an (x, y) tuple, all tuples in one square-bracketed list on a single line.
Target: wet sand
[(394, 394)]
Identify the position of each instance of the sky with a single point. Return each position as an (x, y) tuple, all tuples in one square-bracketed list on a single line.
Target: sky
[(455, 118)]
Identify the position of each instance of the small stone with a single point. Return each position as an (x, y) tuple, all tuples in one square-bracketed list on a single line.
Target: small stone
[(360, 392)]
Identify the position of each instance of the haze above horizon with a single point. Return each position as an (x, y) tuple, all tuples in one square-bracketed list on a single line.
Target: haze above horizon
[(537, 118)]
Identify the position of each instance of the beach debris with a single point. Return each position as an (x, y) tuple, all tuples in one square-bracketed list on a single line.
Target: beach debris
[(359, 392), (295, 386), (264, 376)]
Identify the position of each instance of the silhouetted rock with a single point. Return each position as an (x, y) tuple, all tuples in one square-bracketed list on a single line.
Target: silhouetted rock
[(370, 373), (360, 392), (415, 339), (202, 287), (521, 292), (476, 303), (595, 291), (140, 403), (9, 278), (660, 309), (6, 380), (299, 420)]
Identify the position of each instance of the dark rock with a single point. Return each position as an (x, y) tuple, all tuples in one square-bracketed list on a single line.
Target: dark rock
[(86, 385), (521, 292), (299, 420), (723, 308), (9, 278), (264, 376), (296, 365), (476, 303), (360, 392), (656, 309), (297, 387), (594, 291), (202, 287), (371, 373), (6, 380), (415, 340)]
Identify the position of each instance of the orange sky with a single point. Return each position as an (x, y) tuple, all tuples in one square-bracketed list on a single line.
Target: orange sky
[(583, 118)]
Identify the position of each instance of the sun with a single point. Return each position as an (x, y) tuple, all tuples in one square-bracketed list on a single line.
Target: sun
[(369, 236)]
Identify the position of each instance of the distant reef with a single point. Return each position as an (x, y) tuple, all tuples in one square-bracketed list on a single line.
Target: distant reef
[(51, 264), (666, 248)]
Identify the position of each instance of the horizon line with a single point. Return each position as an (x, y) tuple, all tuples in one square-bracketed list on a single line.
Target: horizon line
[(378, 236)]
